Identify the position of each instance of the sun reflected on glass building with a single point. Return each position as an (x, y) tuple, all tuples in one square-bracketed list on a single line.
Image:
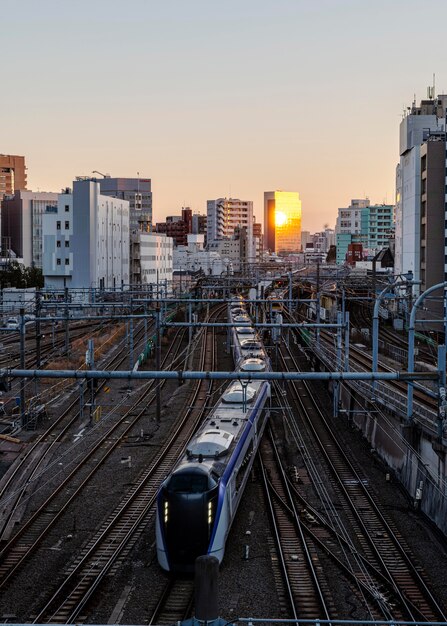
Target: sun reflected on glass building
[(282, 221)]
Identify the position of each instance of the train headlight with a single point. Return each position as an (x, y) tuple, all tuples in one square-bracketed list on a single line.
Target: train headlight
[(210, 512), (166, 512)]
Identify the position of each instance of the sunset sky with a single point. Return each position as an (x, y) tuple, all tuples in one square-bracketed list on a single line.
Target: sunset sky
[(214, 99)]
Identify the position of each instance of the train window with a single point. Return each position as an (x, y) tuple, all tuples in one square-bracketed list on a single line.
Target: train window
[(188, 483)]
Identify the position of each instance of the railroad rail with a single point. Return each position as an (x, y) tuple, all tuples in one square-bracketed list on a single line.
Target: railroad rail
[(130, 517), (381, 544), (302, 572)]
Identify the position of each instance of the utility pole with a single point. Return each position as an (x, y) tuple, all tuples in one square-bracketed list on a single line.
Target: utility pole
[(90, 362), (131, 336), (67, 331), (318, 312), (37, 316), (157, 361), (22, 366)]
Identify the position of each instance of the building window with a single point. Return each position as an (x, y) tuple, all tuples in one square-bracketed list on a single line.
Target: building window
[(67, 244), (67, 261), (67, 225), (67, 208), (58, 261), (58, 225), (58, 244)]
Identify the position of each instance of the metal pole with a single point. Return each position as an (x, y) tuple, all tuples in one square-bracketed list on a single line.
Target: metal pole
[(318, 312), (67, 332), (81, 400), (346, 320), (339, 361), (411, 330), (157, 362), (145, 324), (194, 375), (290, 291), (38, 337), (91, 366), (131, 363), (375, 330), (442, 390), (22, 364)]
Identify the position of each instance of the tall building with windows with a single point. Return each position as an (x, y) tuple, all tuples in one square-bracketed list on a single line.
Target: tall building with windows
[(86, 239), (282, 221), (418, 124), (225, 215), (138, 192), (21, 223), (365, 224), (12, 174)]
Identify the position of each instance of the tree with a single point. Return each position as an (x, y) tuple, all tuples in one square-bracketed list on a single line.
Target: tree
[(19, 276), (331, 255)]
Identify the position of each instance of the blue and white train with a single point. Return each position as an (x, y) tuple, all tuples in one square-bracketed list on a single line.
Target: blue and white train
[(198, 501)]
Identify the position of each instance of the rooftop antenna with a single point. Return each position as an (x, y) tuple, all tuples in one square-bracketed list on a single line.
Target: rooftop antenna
[(431, 90)]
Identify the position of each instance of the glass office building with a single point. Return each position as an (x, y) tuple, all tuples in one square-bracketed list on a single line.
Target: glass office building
[(282, 221)]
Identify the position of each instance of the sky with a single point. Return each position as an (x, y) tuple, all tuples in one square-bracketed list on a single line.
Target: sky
[(216, 99)]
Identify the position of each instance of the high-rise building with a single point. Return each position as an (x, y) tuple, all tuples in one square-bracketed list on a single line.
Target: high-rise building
[(365, 224), (177, 227), (12, 174), (21, 223), (306, 238), (151, 259), (225, 214), (433, 210), (429, 117), (199, 224), (348, 226), (86, 239), (138, 192), (282, 221), (259, 240)]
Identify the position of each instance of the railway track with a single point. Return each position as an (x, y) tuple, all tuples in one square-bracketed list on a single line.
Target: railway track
[(380, 543), (176, 602), (364, 360), (23, 544), (49, 350), (307, 592), (18, 482), (130, 518)]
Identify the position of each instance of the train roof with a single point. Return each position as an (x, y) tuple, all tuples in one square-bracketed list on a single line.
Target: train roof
[(253, 364)]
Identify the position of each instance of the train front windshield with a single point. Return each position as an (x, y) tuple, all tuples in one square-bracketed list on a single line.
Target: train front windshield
[(189, 507), (188, 483)]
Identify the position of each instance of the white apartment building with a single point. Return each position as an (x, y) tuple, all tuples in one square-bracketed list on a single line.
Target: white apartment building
[(224, 215), (86, 239), (349, 218), (151, 258), (193, 258), (21, 221), (430, 115)]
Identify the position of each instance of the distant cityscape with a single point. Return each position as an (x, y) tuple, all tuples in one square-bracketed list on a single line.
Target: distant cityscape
[(100, 231)]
